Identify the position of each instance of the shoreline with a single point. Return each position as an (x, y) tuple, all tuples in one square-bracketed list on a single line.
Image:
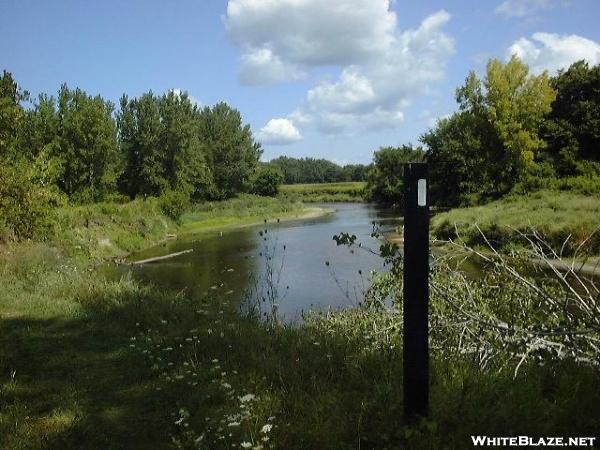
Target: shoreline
[(201, 228)]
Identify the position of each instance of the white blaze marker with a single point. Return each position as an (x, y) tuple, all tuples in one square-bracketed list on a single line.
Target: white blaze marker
[(422, 192)]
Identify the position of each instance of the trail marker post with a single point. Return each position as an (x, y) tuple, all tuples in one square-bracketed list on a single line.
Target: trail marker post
[(416, 290)]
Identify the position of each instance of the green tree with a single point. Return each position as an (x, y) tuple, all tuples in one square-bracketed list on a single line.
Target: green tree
[(573, 127), (493, 141), (385, 178), (266, 181), (231, 151), (185, 154), (41, 128), (12, 113), (27, 191), (163, 147), (87, 145), (140, 131)]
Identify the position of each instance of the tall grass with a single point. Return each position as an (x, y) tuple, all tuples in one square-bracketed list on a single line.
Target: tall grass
[(558, 216)]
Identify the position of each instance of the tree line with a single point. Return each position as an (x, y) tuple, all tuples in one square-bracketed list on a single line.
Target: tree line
[(513, 132), (77, 148), (311, 170)]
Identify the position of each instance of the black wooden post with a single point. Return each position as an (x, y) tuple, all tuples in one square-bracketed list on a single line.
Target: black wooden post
[(416, 290)]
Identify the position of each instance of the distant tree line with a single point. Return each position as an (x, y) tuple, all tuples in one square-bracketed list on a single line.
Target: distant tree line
[(311, 170), (76, 148)]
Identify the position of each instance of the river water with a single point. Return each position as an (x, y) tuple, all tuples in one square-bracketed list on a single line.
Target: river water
[(233, 262)]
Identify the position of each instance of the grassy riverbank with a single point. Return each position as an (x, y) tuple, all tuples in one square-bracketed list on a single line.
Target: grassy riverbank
[(324, 192), (558, 216), (107, 230), (88, 363)]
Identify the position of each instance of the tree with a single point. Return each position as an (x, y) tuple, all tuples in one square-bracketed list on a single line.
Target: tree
[(493, 141), (11, 112), (385, 178), (87, 145), (186, 167), (27, 191), (311, 170), (231, 151), (573, 127), (266, 181), (140, 131)]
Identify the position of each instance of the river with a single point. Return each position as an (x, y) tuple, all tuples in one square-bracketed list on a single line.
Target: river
[(232, 262)]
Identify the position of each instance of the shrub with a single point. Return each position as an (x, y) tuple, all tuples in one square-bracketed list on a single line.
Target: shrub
[(174, 203), (267, 181), (27, 202)]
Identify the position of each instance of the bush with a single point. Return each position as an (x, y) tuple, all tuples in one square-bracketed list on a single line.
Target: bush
[(27, 202), (174, 203), (267, 181)]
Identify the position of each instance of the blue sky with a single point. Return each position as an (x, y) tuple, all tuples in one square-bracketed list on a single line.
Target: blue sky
[(312, 77)]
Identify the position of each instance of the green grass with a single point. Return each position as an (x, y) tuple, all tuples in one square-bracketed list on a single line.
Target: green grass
[(324, 192), (555, 215), (106, 230)]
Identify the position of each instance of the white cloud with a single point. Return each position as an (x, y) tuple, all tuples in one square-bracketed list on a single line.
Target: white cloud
[(178, 93), (381, 68), (262, 66), (548, 51), (522, 8), (305, 33), (279, 132)]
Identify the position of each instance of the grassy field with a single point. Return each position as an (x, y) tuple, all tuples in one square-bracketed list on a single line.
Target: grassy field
[(558, 216), (324, 192)]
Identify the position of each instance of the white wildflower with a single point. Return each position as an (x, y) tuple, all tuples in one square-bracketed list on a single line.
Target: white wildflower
[(266, 428), (247, 398), (246, 445)]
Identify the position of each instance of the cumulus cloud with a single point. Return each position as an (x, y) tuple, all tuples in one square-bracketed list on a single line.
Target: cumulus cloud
[(279, 132), (305, 33), (381, 68), (548, 51), (522, 8)]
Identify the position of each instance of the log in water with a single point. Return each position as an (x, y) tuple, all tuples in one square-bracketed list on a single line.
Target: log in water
[(160, 258)]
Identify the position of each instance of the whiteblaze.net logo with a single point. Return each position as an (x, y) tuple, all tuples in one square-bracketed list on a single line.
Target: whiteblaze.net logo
[(527, 441)]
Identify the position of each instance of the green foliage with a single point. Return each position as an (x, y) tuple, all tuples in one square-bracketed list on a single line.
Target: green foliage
[(266, 181), (27, 198), (385, 178), (311, 170), (87, 145), (11, 112), (231, 152), (491, 143), (174, 203), (573, 127), (27, 193), (162, 146)]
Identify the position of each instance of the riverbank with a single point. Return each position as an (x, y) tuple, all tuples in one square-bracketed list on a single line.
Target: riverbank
[(567, 221), (98, 232)]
